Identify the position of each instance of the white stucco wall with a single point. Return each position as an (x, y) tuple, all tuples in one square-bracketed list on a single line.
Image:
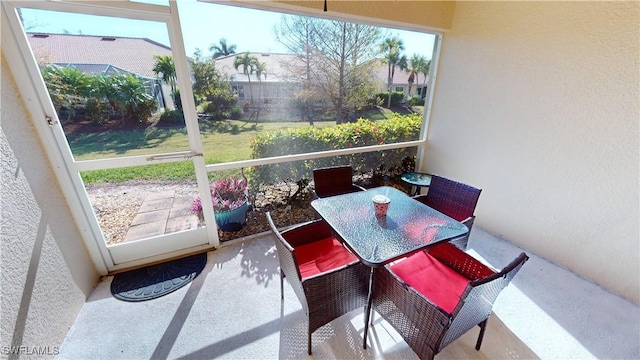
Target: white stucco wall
[(46, 271), (537, 103)]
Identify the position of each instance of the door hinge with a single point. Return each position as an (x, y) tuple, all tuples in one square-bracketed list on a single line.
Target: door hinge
[(50, 121)]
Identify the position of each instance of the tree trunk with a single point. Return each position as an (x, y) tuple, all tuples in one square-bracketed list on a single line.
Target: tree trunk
[(340, 101)]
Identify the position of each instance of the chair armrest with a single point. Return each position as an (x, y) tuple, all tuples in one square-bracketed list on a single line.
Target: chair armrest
[(306, 233), (468, 222), (358, 188), (420, 197), (463, 263), (508, 271)]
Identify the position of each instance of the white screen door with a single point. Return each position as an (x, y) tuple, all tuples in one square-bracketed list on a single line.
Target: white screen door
[(135, 174)]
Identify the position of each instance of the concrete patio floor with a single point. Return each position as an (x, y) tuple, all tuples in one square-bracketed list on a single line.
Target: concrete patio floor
[(233, 310)]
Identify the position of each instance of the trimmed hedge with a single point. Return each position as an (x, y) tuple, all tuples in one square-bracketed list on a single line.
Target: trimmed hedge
[(399, 128)]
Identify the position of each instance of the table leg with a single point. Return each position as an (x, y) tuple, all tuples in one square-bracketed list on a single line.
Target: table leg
[(367, 313)]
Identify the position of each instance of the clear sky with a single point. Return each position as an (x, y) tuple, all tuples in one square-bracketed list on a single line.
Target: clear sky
[(203, 24)]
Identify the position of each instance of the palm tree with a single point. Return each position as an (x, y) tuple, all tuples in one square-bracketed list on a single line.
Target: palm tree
[(222, 49), (67, 87), (424, 69), (248, 64), (403, 64), (391, 47), (418, 62), (260, 69), (164, 66)]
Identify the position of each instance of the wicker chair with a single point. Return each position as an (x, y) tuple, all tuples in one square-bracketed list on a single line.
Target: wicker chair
[(335, 180), (433, 298), (328, 280), (453, 199)]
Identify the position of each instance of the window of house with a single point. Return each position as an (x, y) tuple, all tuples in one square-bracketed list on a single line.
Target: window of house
[(422, 91), (239, 89)]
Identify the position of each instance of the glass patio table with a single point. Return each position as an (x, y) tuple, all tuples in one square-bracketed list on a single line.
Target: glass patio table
[(408, 227), (417, 179)]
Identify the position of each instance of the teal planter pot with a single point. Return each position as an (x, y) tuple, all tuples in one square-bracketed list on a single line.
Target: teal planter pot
[(232, 220)]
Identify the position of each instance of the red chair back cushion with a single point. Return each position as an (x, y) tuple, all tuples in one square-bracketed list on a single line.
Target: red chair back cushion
[(436, 281), (320, 256)]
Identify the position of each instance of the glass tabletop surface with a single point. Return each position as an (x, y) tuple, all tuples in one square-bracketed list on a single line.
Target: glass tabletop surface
[(416, 178), (408, 226)]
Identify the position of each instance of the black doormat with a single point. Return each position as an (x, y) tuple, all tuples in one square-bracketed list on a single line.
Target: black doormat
[(157, 280)]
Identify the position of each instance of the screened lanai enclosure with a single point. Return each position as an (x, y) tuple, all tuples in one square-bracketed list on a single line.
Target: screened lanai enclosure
[(145, 123)]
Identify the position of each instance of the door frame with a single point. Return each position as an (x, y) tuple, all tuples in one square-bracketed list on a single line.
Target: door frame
[(67, 170)]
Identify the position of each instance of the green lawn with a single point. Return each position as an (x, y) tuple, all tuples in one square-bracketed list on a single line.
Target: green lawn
[(223, 141)]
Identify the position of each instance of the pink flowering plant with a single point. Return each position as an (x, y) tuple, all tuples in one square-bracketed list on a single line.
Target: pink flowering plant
[(226, 194)]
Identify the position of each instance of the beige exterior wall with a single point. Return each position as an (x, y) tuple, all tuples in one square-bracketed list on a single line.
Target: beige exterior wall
[(46, 271), (538, 104)]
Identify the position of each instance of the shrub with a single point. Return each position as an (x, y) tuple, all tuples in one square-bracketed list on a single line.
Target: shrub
[(67, 87), (172, 117), (415, 100), (235, 113), (144, 109), (376, 101), (222, 104), (210, 108), (98, 96), (310, 139), (97, 111), (129, 97)]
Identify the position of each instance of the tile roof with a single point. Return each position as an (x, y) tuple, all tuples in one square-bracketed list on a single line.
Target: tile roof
[(137, 56), (132, 54), (276, 65)]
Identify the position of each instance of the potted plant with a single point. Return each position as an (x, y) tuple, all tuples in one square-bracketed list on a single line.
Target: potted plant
[(230, 204)]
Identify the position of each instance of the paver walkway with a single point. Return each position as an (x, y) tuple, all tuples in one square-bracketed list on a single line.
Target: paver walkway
[(162, 213)]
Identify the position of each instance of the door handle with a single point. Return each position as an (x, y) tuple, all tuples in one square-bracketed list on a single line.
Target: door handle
[(184, 155)]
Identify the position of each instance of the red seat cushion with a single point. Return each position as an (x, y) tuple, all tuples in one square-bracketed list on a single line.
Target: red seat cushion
[(320, 256), (436, 281)]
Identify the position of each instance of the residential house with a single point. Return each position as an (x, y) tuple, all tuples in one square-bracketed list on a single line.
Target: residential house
[(113, 54), (401, 81), (104, 55), (280, 83), (276, 86)]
